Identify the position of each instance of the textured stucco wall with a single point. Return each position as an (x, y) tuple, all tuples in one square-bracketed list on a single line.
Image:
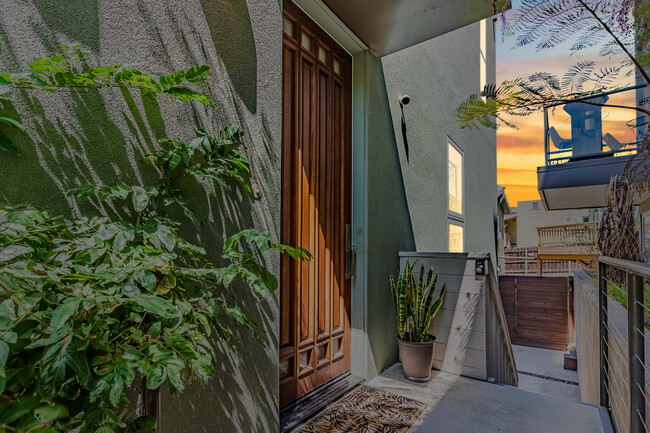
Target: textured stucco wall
[(407, 201), (101, 137), (438, 75), (389, 225)]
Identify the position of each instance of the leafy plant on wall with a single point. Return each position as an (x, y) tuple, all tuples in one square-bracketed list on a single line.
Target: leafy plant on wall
[(89, 305)]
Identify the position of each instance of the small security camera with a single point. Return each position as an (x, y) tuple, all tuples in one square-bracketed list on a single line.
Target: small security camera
[(404, 99)]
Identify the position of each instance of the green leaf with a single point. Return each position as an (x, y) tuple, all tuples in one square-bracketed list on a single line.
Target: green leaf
[(3, 380), (140, 198), (146, 279), (13, 251), (4, 354), (64, 311), (154, 332), (78, 361), (166, 237), (156, 305), (116, 390), (120, 242), (18, 408), (50, 413), (7, 315), (13, 123), (156, 377)]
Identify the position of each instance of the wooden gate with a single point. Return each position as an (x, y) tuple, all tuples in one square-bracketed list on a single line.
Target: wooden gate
[(537, 310)]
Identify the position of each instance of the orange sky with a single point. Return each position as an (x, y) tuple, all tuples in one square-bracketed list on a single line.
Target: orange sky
[(520, 152)]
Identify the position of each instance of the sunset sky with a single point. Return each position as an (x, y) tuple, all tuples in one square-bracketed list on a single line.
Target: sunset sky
[(520, 152)]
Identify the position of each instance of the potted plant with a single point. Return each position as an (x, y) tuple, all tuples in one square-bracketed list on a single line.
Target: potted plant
[(416, 304)]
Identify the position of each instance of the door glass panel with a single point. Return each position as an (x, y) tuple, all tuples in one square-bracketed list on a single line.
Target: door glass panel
[(337, 346), (286, 368), (287, 26), (305, 360), (455, 238), (306, 41), (322, 352), (322, 54), (455, 180), (337, 67)]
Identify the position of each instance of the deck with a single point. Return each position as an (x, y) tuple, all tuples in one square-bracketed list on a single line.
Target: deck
[(568, 242)]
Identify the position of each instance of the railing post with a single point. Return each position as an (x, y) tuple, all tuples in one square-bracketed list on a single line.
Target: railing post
[(603, 336), (636, 352)]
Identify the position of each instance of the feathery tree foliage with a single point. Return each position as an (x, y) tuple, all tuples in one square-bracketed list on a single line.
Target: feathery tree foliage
[(613, 26)]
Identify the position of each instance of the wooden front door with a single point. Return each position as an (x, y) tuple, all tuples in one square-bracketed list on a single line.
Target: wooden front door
[(316, 203)]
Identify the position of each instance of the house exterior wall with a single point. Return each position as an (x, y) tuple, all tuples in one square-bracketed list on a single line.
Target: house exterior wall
[(439, 75), (531, 215), (407, 200), (101, 137), (511, 232)]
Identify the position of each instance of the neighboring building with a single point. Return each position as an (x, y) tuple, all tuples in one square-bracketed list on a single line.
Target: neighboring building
[(511, 228), (504, 211), (586, 144), (340, 68), (531, 215)]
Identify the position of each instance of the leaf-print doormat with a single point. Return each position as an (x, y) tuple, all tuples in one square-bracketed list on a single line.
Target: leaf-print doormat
[(368, 410)]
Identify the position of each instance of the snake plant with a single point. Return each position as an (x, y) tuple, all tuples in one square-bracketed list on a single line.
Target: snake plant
[(416, 303)]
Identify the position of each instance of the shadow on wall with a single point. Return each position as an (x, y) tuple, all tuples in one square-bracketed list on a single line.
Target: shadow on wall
[(101, 136), (84, 29), (232, 33)]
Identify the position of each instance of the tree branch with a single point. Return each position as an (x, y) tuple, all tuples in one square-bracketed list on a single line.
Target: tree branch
[(618, 41)]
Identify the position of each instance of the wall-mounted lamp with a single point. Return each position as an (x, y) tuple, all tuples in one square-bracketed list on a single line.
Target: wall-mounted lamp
[(404, 100)]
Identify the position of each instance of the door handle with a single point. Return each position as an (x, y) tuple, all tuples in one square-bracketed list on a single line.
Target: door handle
[(350, 258)]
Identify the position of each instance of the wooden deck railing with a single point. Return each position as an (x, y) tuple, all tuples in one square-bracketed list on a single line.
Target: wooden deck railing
[(567, 236)]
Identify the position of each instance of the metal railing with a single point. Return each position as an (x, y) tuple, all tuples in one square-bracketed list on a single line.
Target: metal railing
[(589, 125), (623, 381), (569, 235)]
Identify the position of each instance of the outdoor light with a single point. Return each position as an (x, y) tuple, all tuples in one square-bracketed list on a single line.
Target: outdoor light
[(404, 100)]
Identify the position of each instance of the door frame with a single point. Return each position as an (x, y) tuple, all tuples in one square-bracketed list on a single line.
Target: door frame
[(361, 359)]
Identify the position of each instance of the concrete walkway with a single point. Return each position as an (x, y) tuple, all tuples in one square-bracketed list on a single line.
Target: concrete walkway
[(462, 405), (549, 364)]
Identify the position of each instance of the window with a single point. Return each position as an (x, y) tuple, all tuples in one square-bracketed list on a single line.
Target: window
[(455, 238), (455, 211), (455, 180)]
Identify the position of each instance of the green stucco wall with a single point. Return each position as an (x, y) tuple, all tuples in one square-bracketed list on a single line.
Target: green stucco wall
[(407, 200), (439, 75), (389, 223), (101, 137)]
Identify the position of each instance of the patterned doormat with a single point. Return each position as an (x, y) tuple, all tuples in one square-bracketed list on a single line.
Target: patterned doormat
[(368, 410)]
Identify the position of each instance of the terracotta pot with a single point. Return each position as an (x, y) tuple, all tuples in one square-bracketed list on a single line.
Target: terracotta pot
[(417, 359)]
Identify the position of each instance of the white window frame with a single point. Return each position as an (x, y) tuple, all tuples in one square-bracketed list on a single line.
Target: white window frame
[(456, 218)]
